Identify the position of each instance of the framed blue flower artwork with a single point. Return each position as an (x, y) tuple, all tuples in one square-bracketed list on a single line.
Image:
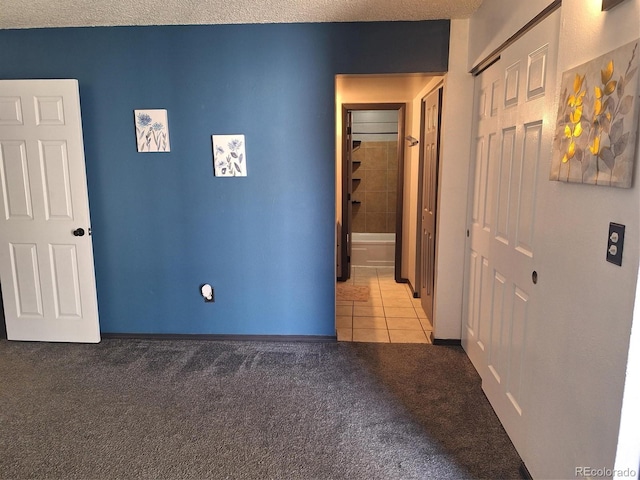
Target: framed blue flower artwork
[(152, 130), (229, 157)]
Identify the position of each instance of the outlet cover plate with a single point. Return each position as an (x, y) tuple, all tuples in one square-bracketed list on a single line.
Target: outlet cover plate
[(615, 242)]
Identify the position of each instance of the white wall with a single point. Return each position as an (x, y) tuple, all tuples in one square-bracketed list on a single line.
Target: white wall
[(581, 326), (452, 197), (497, 20)]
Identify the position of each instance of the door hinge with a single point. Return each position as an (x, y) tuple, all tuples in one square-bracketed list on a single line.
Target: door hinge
[(467, 233), (348, 130)]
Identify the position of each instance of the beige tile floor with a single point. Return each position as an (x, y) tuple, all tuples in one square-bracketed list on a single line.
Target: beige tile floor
[(391, 315)]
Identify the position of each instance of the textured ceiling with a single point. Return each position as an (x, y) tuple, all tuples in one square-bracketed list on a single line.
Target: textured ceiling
[(74, 13)]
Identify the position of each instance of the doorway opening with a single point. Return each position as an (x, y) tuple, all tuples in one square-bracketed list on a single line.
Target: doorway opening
[(391, 311), (372, 187)]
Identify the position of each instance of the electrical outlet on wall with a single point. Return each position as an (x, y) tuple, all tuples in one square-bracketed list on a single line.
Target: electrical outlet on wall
[(615, 243)]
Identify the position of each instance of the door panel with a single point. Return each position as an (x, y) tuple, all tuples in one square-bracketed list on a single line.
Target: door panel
[(15, 180), (511, 130), (56, 183), (66, 286), (483, 208), (430, 155), (46, 265), (25, 275)]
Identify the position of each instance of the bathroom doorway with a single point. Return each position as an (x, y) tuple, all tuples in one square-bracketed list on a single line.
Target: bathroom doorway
[(372, 186)]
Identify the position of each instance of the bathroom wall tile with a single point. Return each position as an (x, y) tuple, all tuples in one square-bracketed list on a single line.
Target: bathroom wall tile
[(376, 159), (392, 180), (392, 201), (376, 201), (381, 144), (358, 220), (392, 155), (376, 180), (376, 222), (391, 222)]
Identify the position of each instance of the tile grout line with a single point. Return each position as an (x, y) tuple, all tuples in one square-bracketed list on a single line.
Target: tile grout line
[(378, 281), (383, 307)]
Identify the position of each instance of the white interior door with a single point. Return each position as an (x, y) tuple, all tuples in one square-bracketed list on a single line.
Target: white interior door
[(513, 100), (46, 253)]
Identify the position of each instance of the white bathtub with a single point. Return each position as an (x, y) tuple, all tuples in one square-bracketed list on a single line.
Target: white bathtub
[(373, 249)]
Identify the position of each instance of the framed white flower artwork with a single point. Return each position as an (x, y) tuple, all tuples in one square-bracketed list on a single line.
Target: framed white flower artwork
[(152, 130), (229, 157)]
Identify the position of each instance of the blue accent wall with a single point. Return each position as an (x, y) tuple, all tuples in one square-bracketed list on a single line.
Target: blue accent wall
[(162, 223)]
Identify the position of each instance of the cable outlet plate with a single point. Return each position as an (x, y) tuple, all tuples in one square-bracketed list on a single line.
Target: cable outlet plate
[(207, 292), (615, 243)]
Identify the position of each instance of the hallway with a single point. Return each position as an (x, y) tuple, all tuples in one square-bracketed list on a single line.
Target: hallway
[(390, 315)]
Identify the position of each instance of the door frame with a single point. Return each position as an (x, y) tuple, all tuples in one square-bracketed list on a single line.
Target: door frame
[(346, 222)]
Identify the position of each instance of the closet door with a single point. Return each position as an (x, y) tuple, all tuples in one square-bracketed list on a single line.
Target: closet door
[(513, 139)]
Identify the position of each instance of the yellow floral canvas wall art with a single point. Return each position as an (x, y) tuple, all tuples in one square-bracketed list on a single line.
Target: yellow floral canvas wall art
[(597, 123)]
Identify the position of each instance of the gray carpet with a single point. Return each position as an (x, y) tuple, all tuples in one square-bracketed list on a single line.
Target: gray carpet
[(159, 409)]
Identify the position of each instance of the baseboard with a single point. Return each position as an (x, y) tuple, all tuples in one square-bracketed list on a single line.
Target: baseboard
[(447, 341), (221, 337)]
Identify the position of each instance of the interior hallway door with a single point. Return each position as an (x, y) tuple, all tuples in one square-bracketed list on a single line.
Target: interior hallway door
[(46, 253), (513, 105), (430, 155)]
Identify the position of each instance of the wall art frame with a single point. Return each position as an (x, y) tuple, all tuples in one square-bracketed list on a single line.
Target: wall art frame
[(152, 130), (229, 155), (597, 121)]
